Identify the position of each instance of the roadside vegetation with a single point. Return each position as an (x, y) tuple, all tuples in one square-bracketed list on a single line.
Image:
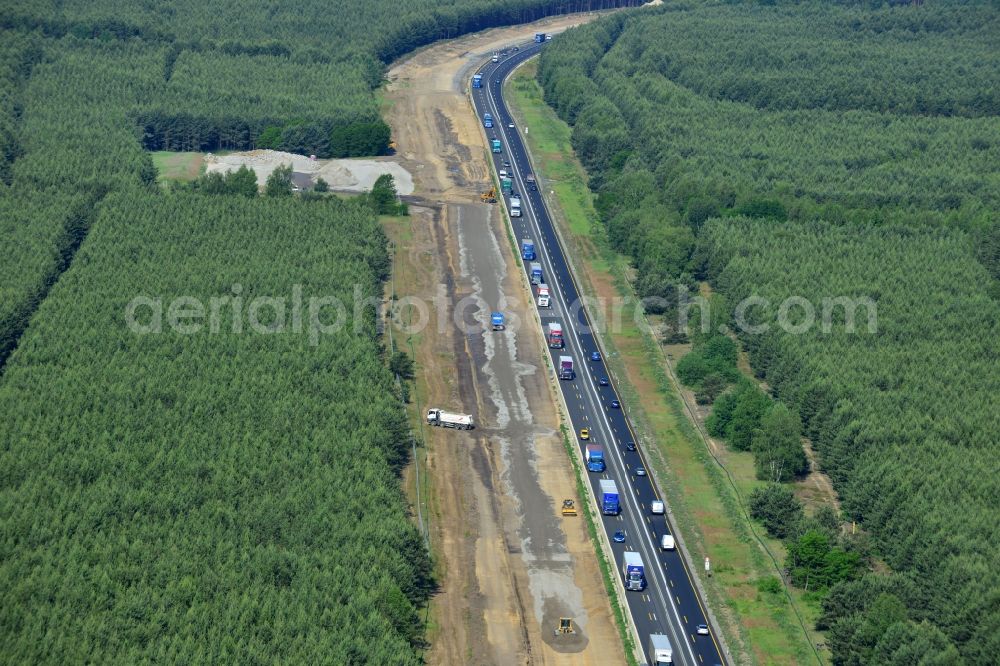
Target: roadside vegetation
[(713, 160)]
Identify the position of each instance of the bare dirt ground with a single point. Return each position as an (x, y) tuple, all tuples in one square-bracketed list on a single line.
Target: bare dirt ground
[(495, 491), (345, 175)]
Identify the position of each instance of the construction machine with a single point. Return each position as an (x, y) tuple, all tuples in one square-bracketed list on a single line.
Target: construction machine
[(489, 197)]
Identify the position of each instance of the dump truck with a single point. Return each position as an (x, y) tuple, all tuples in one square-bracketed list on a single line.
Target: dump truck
[(439, 417), (610, 504), (477, 80), (660, 651), (634, 572), (487, 120), (515, 207), (566, 368), (497, 321), (497, 148), (555, 336), (535, 271), (594, 455), (527, 249)]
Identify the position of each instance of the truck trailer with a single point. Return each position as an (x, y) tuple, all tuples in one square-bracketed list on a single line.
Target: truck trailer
[(660, 652), (566, 368), (439, 417), (497, 148), (535, 270), (555, 336), (594, 455), (527, 249), (477, 80), (634, 572), (487, 120), (515, 206), (610, 505)]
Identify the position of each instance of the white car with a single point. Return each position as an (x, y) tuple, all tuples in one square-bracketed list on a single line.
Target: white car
[(657, 507), (503, 173), (510, 125), (702, 630), (667, 542)]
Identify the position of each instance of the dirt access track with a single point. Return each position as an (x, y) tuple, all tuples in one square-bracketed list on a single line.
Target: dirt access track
[(509, 565)]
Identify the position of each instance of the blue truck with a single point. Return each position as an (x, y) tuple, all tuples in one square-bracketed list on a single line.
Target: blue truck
[(610, 505), (527, 249), (497, 321), (594, 455), (487, 120), (536, 272), (539, 37), (477, 80), (633, 572)]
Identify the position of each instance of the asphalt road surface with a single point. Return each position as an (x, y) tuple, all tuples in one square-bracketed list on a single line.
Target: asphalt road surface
[(669, 604)]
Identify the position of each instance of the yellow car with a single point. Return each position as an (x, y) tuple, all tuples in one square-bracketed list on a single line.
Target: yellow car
[(584, 433)]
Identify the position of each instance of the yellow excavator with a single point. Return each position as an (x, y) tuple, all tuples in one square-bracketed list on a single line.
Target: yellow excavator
[(489, 197)]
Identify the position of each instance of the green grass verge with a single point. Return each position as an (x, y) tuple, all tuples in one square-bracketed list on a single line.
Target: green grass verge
[(707, 510), (176, 166)]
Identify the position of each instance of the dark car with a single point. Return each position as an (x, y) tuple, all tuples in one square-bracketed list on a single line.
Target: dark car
[(630, 446), (615, 404), (603, 381), (619, 537), (595, 356)]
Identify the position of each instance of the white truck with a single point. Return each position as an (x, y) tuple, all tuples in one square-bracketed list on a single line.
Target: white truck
[(515, 207), (544, 300), (660, 651), (439, 417)]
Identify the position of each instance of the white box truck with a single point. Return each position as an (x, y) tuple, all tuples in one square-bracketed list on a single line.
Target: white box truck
[(660, 651)]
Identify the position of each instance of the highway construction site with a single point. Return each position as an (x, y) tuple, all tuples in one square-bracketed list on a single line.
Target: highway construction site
[(512, 566)]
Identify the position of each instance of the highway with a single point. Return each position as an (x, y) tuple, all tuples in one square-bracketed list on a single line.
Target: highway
[(669, 604)]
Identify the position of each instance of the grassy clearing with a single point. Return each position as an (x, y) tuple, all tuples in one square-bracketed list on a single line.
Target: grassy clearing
[(176, 166), (760, 627)]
